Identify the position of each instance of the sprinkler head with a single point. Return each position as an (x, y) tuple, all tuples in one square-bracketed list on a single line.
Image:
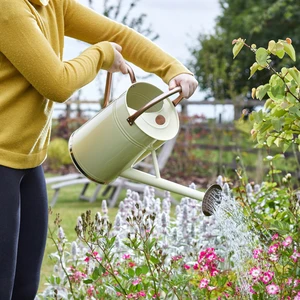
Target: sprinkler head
[(212, 198)]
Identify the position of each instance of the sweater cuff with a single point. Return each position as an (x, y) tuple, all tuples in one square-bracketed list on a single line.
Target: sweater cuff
[(109, 54)]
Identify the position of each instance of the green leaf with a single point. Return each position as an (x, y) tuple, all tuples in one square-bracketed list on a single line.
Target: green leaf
[(253, 69), (294, 72), (131, 272), (277, 124), (154, 260), (95, 274), (270, 140), (289, 49), (262, 56), (261, 91), (88, 281), (138, 271), (272, 47), (294, 110), (280, 53), (238, 46), (145, 269), (286, 145)]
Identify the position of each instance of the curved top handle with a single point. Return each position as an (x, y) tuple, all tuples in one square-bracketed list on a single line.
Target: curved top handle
[(108, 84), (159, 98)]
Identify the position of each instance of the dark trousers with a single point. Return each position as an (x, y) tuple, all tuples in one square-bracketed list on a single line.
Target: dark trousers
[(23, 231)]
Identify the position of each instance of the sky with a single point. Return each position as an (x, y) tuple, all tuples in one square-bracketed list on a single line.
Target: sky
[(178, 24)]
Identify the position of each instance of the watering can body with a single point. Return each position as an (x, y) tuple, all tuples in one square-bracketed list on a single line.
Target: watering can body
[(124, 132), (107, 145)]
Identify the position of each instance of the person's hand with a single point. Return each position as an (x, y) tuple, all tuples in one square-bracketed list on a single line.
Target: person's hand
[(187, 82), (119, 64)]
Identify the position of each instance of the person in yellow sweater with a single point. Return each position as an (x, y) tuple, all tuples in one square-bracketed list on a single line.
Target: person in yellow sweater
[(33, 76)]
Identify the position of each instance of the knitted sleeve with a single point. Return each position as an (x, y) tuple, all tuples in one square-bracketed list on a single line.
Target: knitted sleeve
[(26, 47), (85, 24)]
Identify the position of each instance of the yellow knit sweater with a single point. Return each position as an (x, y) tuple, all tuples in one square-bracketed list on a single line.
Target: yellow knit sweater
[(33, 74)]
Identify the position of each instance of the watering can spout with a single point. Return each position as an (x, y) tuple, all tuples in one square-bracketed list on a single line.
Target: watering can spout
[(210, 199), (161, 183)]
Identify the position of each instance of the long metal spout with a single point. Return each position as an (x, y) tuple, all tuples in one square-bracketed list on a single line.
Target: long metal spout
[(210, 198)]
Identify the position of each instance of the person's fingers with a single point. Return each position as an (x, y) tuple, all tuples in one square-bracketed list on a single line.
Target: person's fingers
[(172, 84), (123, 67), (117, 47), (185, 89), (187, 83)]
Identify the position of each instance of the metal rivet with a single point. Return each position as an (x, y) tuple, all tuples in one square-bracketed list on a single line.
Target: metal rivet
[(160, 120)]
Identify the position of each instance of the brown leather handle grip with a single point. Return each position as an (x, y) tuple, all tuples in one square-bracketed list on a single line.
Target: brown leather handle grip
[(108, 84), (159, 98)]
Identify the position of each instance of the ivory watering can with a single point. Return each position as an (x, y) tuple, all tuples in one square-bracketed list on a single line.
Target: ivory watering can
[(125, 131)]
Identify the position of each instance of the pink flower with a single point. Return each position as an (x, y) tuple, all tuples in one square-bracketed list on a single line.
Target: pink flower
[(297, 297), (97, 256), (255, 272), (211, 257), (251, 290), (214, 272), (195, 266), (272, 289), (287, 241), (187, 267), (87, 259), (77, 276), (273, 248), (275, 236), (296, 282), (267, 277), (203, 283), (90, 291), (176, 258), (142, 294), (256, 253), (119, 294), (131, 264), (126, 256), (211, 288), (274, 257), (130, 296), (295, 256), (136, 281)]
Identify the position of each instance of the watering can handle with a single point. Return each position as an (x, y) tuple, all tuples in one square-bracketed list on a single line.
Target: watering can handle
[(159, 98), (108, 84)]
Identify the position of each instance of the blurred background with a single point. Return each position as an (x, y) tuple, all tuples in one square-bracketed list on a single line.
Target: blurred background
[(215, 130)]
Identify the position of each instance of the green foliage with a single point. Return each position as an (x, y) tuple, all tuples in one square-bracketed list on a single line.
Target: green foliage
[(254, 20), (278, 123), (58, 154)]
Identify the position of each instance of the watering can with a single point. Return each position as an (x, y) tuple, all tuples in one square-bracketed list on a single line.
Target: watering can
[(125, 131)]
